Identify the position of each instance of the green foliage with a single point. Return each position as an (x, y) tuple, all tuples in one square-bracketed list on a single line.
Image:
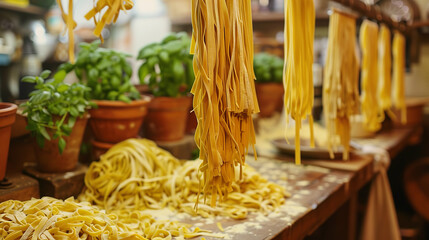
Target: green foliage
[(53, 107), (105, 71), (268, 68), (167, 66)]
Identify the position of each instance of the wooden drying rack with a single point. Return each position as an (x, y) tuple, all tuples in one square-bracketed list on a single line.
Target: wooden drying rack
[(374, 12)]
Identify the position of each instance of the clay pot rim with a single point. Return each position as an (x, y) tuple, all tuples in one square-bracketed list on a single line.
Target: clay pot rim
[(120, 104), (103, 145), (8, 109), (170, 103)]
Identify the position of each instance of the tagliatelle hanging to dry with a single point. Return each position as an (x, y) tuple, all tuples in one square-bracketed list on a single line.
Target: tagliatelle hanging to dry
[(371, 112), (384, 70), (398, 50), (298, 73), (340, 85), (224, 91), (113, 8)]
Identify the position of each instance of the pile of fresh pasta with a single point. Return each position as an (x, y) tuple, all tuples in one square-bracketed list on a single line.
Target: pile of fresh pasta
[(53, 219), (133, 176), (138, 175)]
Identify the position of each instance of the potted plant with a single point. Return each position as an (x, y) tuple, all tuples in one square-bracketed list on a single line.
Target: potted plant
[(120, 108), (7, 118), (167, 70), (269, 83), (56, 116)]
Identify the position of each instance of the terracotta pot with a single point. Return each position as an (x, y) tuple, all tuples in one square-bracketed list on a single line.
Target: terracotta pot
[(7, 118), (49, 158), (99, 148), (116, 121), (270, 96), (166, 119)]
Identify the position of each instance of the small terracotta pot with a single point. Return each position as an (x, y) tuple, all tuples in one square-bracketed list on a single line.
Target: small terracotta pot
[(116, 121), (7, 118), (166, 119), (270, 96), (99, 148), (49, 158)]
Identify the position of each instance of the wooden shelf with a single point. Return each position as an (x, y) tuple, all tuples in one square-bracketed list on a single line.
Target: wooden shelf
[(34, 10)]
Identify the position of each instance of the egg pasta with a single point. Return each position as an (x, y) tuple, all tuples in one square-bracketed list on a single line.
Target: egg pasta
[(298, 73), (371, 112), (137, 175), (384, 70), (224, 91), (340, 85), (398, 51)]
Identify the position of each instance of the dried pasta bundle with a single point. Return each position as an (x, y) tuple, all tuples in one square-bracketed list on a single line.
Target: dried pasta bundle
[(371, 112), (384, 69), (340, 86), (298, 73), (114, 7), (224, 91), (137, 175), (399, 75)]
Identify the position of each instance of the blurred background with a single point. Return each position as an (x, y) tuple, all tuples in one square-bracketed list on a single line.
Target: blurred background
[(32, 34)]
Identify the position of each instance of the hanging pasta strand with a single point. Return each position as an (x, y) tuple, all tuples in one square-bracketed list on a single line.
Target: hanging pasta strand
[(371, 112), (298, 73), (384, 70), (399, 75), (224, 91), (114, 7), (340, 85)]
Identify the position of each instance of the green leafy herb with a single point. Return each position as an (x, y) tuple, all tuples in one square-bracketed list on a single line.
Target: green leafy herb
[(106, 72), (268, 68), (167, 66), (53, 107)]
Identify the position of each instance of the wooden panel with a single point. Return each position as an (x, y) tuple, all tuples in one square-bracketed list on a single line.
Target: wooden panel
[(59, 185), (22, 188)]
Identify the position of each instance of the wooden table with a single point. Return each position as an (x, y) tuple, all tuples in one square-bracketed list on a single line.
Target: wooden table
[(394, 140), (317, 193)]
